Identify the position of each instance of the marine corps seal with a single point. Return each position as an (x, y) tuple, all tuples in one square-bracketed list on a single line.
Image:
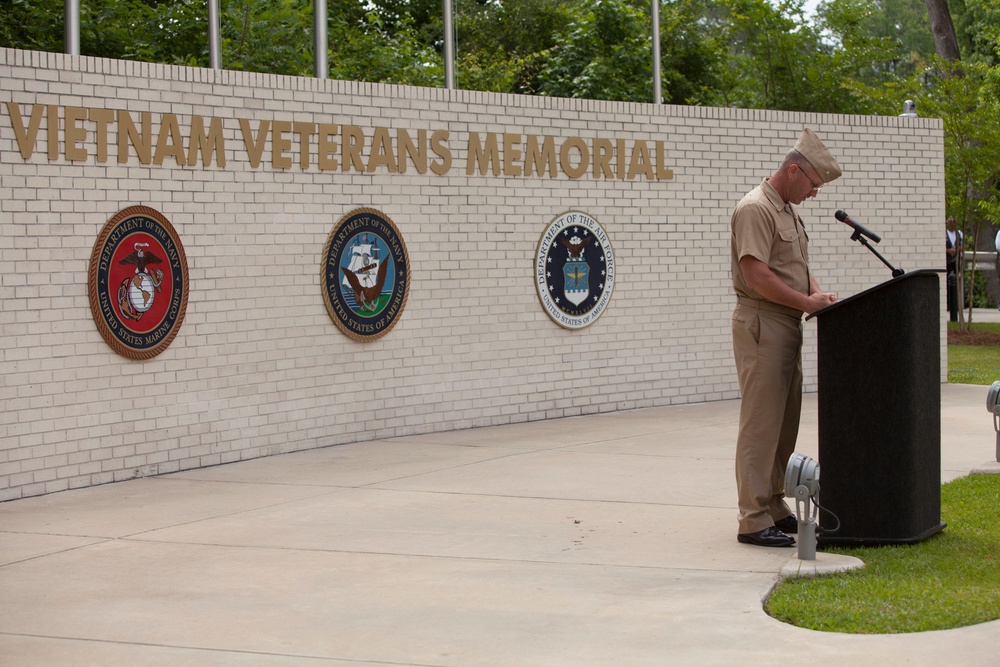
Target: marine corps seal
[(138, 282)]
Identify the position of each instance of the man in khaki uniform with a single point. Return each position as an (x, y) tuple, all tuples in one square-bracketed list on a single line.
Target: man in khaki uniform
[(773, 287)]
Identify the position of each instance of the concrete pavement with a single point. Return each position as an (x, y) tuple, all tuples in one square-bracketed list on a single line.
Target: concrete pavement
[(983, 315), (599, 540)]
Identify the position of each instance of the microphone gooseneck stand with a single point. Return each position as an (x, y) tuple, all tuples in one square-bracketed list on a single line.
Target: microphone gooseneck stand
[(856, 236)]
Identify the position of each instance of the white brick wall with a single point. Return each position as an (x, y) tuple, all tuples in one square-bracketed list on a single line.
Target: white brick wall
[(259, 367)]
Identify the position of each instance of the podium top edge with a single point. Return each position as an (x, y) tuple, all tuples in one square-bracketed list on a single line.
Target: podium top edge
[(859, 295)]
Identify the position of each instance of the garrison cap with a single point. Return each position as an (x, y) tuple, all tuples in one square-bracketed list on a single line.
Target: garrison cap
[(812, 149)]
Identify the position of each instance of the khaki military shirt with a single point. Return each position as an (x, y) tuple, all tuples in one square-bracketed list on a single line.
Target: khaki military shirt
[(764, 228)]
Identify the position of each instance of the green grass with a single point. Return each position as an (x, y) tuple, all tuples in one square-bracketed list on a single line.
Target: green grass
[(947, 581), (974, 364), (978, 326)]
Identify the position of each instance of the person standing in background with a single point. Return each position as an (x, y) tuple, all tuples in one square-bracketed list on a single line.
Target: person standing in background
[(953, 247), (996, 243)]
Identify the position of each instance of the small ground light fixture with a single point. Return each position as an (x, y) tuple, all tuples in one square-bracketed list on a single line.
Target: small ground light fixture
[(802, 482)]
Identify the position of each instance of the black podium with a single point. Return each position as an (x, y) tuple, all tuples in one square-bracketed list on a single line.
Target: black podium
[(880, 413)]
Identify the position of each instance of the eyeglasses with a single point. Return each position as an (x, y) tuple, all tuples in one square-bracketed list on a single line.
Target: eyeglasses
[(814, 185)]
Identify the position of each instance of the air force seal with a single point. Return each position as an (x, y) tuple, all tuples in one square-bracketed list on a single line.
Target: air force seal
[(365, 274), (138, 282), (574, 270)]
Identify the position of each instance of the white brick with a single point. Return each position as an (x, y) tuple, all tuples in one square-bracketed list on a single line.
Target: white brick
[(259, 367)]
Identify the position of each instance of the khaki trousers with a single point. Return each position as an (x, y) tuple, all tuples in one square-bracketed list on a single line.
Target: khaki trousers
[(768, 350)]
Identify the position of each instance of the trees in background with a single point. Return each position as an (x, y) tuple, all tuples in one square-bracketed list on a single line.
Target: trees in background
[(748, 53)]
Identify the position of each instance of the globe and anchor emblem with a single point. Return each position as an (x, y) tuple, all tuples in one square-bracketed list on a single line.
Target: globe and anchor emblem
[(137, 292)]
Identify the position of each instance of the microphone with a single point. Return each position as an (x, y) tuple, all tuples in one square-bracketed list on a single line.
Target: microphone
[(857, 226)]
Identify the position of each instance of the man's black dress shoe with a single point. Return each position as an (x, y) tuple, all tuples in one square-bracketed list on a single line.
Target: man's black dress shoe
[(789, 525), (769, 537)]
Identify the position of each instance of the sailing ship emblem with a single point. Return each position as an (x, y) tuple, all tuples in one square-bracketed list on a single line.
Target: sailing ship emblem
[(365, 274)]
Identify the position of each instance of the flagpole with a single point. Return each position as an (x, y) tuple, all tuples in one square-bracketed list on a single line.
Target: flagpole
[(322, 43), (657, 85), (214, 38), (449, 47), (72, 20)]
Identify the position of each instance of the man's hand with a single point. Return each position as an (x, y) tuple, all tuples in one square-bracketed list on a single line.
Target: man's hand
[(821, 300), (761, 279)]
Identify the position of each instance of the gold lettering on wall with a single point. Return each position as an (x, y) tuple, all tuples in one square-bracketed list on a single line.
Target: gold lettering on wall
[(620, 157), (382, 154), (479, 154), (511, 154), (412, 152), (203, 146), (25, 136), (75, 134), (103, 119), (254, 144), (280, 144), (78, 134), (640, 161), (352, 140), (541, 156), (169, 142), (305, 132), (53, 131), (662, 172), (139, 140), (328, 146), (603, 151), (578, 145), (439, 145)]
